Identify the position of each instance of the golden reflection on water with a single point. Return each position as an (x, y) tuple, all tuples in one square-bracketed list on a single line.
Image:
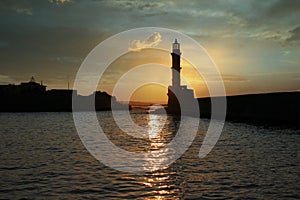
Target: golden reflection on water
[(161, 185), (160, 182), (155, 124), (158, 154)]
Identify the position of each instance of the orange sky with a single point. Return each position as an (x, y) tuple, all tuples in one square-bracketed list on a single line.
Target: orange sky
[(150, 92)]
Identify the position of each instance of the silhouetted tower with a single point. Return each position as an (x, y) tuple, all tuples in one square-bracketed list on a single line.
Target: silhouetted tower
[(176, 64), (177, 91), (174, 90)]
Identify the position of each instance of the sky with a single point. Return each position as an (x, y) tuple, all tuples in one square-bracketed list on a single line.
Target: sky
[(254, 43)]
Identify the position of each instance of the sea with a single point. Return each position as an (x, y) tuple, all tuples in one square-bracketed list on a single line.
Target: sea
[(43, 157)]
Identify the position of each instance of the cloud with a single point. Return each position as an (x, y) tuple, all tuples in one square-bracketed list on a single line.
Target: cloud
[(60, 1), (152, 41), (234, 78), (138, 5), (4, 79), (64, 59), (19, 7), (295, 34), (281, 8), (45, 51), (228, 78), (25, 11), (291, 62)]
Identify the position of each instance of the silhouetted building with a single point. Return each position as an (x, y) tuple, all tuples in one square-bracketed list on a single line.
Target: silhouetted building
[(33, 97), (32, 87), (177, 92), (10, 89), (25, 88)]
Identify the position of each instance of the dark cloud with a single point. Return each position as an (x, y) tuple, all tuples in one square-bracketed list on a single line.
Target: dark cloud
[(138, 5), (295, 34), (284, 8), (47, 53), (60, 1), (55, 41), (20, 7)]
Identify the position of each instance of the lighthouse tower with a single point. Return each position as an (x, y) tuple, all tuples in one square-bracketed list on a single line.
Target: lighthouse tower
[(177, 91), (174, 89), (176, 64)]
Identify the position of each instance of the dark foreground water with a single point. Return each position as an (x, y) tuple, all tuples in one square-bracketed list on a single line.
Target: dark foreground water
[(42, 157)]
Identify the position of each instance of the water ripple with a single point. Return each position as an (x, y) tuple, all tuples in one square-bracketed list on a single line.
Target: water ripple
[(43, 157)]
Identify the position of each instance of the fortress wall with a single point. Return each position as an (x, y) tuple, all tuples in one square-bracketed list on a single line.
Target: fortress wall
[(282, 108)]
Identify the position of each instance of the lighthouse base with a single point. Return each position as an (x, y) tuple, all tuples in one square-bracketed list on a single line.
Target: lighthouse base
[(181, 101)]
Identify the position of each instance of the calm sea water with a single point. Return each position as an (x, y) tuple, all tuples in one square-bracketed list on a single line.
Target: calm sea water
[(42, 157)]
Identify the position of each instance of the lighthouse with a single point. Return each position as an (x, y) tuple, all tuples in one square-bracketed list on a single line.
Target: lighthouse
[(176, 92)]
